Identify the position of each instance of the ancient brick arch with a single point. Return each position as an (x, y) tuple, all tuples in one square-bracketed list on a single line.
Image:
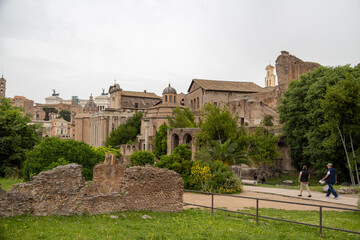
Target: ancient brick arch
[(178, 136)]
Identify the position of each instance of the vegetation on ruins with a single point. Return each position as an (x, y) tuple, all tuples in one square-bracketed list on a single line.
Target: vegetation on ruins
[(188, 224), (268, 121), (183, 118), (141, 158), (66, 115), (160, 141), (321, 115), (125, 133), (47, 111), (52, 152), (17, 137), (104, 150)]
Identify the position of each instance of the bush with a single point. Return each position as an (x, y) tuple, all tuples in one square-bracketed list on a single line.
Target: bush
[(180, 162), (53, 152), (223, 180), (141, 158), (104, 150)]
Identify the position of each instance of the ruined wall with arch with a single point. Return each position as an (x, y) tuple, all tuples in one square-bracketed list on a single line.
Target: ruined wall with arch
[(178, 136)]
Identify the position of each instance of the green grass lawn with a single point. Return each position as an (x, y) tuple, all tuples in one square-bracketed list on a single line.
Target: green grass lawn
[(6, 183), (189, 224)]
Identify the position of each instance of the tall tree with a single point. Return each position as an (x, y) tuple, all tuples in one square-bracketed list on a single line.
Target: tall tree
[(47, 111), (17, 136), (183, 118), (303, 118), (218, 125), (66, 115), (125, 133), (341, 106), (160, 141)]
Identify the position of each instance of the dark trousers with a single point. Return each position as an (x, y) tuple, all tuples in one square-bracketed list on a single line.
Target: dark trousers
[(331, 190)]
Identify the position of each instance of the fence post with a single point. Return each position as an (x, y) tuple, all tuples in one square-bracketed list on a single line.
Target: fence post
[(212, 204), (257, 211), (320, 221)]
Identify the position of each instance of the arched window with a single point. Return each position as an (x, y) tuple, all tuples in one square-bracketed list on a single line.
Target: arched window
[(192, 106), (198, 103), (195, 103), (165, 98), (170, 98), (175, 99)]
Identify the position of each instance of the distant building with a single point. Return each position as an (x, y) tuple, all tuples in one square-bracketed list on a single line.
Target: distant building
[(2, 87), (24, 103), (123, 104)]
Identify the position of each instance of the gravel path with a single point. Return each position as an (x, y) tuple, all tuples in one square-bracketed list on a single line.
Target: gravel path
[(234, 204)]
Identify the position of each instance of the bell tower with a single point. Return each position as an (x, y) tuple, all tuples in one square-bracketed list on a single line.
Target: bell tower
[(2, 86)]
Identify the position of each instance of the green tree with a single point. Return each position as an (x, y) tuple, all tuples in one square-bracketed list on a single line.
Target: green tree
[(268, 121), (141, 158), (263, 146), (183, 118), (125, 133), (66, 115), (47, 111), (218, 125), (303, 116), (341, 106), (53, 151), (17, 136), (160, 141), (227, 152)]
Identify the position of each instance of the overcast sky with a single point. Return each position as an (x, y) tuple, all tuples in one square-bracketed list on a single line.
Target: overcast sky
[(79, 47)]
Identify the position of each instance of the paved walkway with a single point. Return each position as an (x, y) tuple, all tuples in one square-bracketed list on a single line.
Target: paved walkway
[(348, 199)]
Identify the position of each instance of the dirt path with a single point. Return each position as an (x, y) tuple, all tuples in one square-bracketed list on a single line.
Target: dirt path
[(234, 204)]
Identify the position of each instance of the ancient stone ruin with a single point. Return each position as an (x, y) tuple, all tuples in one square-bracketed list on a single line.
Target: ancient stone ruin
[(63, 191)]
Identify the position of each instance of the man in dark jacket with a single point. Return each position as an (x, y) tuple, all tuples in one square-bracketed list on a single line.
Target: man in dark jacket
[(331, 179)]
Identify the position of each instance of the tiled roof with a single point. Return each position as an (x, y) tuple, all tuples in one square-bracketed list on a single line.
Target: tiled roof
[(228, 86), (139, 94)]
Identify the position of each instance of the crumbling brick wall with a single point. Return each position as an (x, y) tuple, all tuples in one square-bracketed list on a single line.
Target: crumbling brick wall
[(63, 191), (289, 67)]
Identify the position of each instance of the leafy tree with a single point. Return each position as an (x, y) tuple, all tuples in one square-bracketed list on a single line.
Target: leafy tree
[(125, 133), (179, 161), (160, 141), (66, 115), (268, 121), (218, 125), (141, 158), (227, 153), (263, 147), (303, 116), (54, 152), (341, 106), (183, 118), (17, 136), (104, 150), (47, 111)]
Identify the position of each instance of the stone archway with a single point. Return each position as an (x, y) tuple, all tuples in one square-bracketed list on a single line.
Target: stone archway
[(187, 139), (174, 141)]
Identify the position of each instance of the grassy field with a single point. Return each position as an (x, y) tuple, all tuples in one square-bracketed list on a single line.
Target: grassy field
[(189, 224)]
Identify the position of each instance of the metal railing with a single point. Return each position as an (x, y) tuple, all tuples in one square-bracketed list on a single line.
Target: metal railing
[(320, 226)]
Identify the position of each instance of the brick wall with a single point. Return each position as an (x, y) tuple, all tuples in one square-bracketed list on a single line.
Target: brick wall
[(63, 191)]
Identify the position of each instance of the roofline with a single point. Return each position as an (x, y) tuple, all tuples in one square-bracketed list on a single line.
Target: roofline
[(193, 80)]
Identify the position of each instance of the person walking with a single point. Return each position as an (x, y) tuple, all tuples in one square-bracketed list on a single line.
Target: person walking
[(304, 178), (331, 179)]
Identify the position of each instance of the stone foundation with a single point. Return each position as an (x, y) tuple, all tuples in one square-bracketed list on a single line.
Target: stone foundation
[(63, 191)]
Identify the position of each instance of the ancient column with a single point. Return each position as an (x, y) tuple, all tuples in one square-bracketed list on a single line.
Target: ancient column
[(146, 121)]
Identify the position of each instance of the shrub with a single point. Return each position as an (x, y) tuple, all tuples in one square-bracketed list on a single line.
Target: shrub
[(105, 149), (223, 180), (53, 152), (180, 162), (141, 158)]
